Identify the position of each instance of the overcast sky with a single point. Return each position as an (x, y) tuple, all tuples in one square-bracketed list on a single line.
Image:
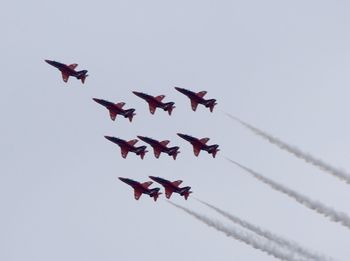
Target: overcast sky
[(282, 66)]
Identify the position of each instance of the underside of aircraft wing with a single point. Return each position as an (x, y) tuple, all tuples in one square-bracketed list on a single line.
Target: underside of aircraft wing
[(120, 104), (137, 194), (177, 183), (201, 94), (113, 115), (196, 150), (65, 76), (156, 152), (168, 193), (125, 152), (194, 105), (73, 66), (147, 184), (152, 108)]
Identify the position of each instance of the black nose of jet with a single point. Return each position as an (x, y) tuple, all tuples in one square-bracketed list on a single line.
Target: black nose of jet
[(49, 62)]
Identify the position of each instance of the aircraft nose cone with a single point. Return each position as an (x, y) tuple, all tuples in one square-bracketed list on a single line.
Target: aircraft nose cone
[(136, 93), (152, 177), (178, 88), (96, 100), (108, 137), (140, 137), (122, 179)]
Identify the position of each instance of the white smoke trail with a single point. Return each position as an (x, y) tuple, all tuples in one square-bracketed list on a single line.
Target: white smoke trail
[(296, 152), (320, 208), (269, 235), (267, 247)]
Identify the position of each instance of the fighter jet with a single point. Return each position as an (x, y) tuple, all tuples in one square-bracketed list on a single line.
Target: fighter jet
[(128, 146), (171, 187), (200, 144), (197, 98), (142, 188), (155, 102), (69, 70), (160, 146), (116, 108)]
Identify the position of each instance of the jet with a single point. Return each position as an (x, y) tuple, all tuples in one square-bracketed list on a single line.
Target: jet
[(69, 70), (128, 146), (160, 146), (200, 144), (155, 102), (171, 187), (116, 108), (197, 98), (142, 188)]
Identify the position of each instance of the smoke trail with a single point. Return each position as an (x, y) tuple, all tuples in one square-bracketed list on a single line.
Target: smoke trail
[(296, 152), (332, 214), (269, 235), (243, 237)]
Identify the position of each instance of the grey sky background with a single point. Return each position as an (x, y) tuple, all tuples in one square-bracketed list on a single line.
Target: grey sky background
[(281, 66)]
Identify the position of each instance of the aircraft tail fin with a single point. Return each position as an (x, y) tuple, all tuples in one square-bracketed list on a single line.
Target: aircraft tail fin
[(169, 106), (130, 114), (82, 75), (213, 149), (174, 151), (155, 193), (210, 104), (141, 151), (185, 191)]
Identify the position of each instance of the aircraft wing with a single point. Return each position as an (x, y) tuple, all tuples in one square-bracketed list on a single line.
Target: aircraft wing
[(120, 104), (125, 152), (201, 94), (194, 105), (204, 140), (65, 77), (152, 108), (177, 183), (168, 193), (73, 66), (156, 152), (160, 97), (147, 184), (113, 115), (165, 142), (132, 142), (196, 151), (137, 194)]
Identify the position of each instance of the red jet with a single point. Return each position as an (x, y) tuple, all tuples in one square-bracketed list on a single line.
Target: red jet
[(69, 70), (197, 98), (128, 146), (142, 188), (155, 102), (171, 187), (116, 108), (161, 146), (200, 144)]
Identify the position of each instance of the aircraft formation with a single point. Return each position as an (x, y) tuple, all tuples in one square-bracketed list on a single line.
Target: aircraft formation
[(158, 147)]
